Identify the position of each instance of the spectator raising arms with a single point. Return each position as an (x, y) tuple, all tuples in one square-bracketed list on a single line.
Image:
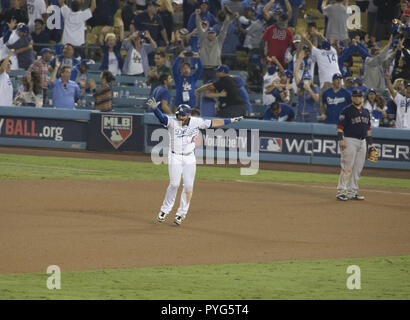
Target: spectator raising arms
[(402, 102), (373, 74), (308, 94), (111, 47), (74, 23), (326, 59), (185, 82), (65, 91), (136, 62), (210, 46)]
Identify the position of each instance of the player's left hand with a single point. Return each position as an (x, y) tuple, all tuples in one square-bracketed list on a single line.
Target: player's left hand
[(233, 120), (152, 103)]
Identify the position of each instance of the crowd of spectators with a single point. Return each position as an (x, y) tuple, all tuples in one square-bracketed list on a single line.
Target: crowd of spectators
[(302, 73)]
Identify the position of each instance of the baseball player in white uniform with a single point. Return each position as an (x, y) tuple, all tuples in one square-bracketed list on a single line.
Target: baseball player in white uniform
[(182, 131)]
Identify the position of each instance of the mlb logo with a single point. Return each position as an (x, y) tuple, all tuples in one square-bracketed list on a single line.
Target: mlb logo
[(116, 129), (271, 144)]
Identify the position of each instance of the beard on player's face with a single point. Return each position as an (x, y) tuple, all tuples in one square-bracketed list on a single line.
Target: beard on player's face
[(184, 119), (357, 101)]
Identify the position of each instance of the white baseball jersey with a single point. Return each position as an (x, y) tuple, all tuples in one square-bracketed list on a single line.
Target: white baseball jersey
[(35, 9), (181, 138), (268, 98), (327, 61), (403, 111)]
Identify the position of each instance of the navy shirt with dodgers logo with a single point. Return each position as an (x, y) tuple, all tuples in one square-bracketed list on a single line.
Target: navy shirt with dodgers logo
[(354, 122)]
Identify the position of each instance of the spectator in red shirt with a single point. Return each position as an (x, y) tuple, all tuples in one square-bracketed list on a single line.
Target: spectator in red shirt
[(278, 38)]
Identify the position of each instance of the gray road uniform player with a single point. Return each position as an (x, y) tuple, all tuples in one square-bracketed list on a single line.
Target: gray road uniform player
[(353, 130)]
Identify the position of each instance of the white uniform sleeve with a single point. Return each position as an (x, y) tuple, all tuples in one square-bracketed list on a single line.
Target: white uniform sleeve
[(204, 124)]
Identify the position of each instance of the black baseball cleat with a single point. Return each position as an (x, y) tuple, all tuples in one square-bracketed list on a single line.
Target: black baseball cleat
[(342, 197), (356, 197)]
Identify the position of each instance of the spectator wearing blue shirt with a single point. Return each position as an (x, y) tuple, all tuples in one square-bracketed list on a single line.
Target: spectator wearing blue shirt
[(185, 82), (65, 91), (278, 111), (205, 15), (334, 100), (161, 93)]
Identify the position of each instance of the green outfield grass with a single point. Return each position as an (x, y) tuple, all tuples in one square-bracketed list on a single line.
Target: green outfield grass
[(33, 167), (381, 278)]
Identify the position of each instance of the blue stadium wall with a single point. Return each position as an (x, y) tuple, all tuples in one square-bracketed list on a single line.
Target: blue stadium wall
[(270, 141)]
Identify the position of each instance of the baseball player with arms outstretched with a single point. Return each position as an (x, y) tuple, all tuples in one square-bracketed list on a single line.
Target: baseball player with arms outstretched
[(353, 131), (182, 131)]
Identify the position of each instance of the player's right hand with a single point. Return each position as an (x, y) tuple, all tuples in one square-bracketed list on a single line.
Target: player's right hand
[(152, 103)]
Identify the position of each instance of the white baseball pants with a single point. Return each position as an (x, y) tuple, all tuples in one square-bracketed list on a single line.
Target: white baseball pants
[(185, 167), (352, 163)]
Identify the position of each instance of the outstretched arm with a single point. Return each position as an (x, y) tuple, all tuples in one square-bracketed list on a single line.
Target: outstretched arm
[(216, 123), (153, 104)]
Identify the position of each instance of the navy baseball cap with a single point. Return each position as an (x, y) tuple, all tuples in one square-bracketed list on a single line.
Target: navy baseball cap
[(222, 68), (203, 1), (371, 90), (307, 76), (407, 85), (211, 30), (183, 110), (325, 45), (46, 50), (337, 76), (23, 28), (357, 93)]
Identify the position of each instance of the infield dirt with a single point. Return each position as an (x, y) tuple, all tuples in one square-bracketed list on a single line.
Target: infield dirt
[(82, 224)]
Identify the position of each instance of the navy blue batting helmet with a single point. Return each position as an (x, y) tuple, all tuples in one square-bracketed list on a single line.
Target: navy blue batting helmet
[(183, 110)]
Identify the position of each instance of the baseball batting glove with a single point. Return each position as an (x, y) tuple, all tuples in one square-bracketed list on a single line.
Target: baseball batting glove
[(152, 103), (372, 154), (233, 120)]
